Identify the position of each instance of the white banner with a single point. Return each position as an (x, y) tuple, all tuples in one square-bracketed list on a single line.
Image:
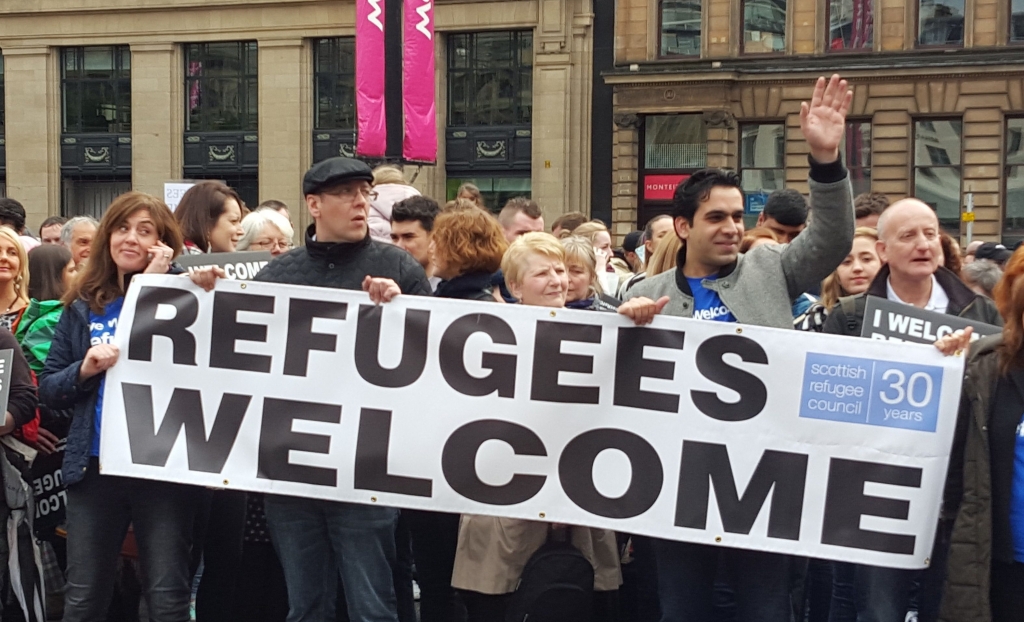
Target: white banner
[(705, 432)]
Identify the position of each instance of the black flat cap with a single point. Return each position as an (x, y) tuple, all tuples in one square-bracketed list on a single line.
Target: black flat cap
[(632, 240), (334, 171), (993, 252)]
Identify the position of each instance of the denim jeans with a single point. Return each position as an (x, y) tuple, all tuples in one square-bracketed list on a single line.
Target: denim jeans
[(312, 537), (761, 582), (100, 508)]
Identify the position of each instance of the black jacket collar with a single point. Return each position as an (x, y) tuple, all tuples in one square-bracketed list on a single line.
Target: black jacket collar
[(464, 285), (683, 284), (333, 251), (960, 296)]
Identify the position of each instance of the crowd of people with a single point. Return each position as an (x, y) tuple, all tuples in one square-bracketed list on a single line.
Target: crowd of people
[(171, 551)]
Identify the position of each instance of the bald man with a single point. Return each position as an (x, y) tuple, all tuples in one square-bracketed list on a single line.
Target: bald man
[(908, 241)]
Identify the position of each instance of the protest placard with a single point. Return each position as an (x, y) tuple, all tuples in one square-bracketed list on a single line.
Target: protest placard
[(894, 321), (174, 190), (241, 266), (704, 432)]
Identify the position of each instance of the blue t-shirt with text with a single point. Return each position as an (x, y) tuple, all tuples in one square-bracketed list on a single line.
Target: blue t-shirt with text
[(1017, 497), (102, 328), (707, 304)]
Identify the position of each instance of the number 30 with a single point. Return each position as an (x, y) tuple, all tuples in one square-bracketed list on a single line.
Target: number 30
[(908, 393)]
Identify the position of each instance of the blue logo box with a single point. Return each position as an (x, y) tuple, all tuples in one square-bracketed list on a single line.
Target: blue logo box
[(871, 392)]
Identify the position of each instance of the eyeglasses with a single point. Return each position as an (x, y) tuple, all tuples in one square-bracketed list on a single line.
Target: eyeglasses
[(350, 193), (272, 244)]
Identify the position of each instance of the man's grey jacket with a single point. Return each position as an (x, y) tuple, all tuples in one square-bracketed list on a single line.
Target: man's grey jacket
[(760, 286)]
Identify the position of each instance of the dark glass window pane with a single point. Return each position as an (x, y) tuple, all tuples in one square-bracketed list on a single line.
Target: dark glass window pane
[(2, 110), (1017, 21), (937, 174), (221, 87), (1015, 141), (96, 89), (851, 24), (334, 81), (941, 22), (762, 145), (680, 27), (675, 142), (1014, 219), (490, 78), (764, 26), (856, 152), (937, 142)]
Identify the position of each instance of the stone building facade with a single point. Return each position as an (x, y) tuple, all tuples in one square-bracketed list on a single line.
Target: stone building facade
[(938, 107), (102, 96)]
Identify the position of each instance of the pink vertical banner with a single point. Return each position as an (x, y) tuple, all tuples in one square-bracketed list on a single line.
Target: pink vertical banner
[(371, 126), (419, 104)]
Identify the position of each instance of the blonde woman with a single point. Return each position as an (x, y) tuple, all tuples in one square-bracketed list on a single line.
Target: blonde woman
[(852, 277), (390, 187), (584, 286), (13, 279), (611, 271), (665, 257)]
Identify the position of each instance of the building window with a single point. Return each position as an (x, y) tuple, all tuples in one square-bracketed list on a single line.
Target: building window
[(490, 78), (764, 26), (1013, 220), (851, 24), (334, 80), (495, 190), (678, 141), (856, 152), (762, 164), (937, 145), (221, 87), (941, 22), (96, 89), (1017, 21), (680, 27)]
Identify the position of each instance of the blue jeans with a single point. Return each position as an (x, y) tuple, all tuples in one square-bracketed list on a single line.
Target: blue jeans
[(761, 582), (100, 508), (312, 537)]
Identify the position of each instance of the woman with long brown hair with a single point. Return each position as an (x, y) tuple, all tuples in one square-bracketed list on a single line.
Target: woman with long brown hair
[(985, 577), (138, 234)]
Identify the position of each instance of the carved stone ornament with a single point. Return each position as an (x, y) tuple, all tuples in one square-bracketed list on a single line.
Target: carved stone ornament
[(222, 154), (627, 121), (97, 156), (719, 118), (491, 150), (346, 151)]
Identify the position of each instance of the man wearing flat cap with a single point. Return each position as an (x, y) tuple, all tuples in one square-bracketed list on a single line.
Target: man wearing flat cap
[(312, 536)]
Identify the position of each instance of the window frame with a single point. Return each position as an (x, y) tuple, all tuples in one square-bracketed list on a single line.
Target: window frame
[(336, 77), (743, 32), (517, 67), (661, 30), (117, 68), (937, 46), (1009, 28), (914, 166), (247, 78), (828, 32), (3, 106), (1004, 232), (861, 167), (740, 168)]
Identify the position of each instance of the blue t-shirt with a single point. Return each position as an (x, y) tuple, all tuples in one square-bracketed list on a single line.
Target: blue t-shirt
[(707, 304), (1017, 497), (102, 328)]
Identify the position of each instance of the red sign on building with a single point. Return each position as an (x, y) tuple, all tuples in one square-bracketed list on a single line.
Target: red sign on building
[(662, 187)]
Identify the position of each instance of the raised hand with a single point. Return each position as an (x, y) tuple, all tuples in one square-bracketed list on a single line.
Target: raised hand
[(823, 120)]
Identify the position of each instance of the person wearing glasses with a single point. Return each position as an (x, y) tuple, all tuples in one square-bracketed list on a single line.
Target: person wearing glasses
[(266, 230)]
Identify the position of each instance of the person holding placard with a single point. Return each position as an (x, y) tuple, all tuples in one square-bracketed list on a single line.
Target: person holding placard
[(713, 281), (985, 580), (138, 234)]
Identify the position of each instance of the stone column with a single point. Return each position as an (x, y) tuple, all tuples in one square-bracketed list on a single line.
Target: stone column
[(286, 122), (625, 172), (157, 115), (33, 130)]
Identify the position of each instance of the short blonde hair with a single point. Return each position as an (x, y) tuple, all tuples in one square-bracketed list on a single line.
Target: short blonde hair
[(388, 174), (580, 251), (533, 243), (21, 279)]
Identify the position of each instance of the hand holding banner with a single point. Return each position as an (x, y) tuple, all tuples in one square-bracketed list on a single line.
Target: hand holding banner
[(566, 416)]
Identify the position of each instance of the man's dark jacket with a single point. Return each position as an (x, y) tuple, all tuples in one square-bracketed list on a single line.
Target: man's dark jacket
[(344, 265), (963, 303)]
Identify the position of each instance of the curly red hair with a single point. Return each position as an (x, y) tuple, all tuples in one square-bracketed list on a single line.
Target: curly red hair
[(467, 239)]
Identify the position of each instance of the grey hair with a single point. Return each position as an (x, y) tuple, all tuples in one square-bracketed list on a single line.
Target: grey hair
[(983, 273), (69, 227), (579, 249), (254, 223)]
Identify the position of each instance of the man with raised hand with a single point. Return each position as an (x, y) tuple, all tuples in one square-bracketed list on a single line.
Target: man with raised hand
[(713, 281)]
